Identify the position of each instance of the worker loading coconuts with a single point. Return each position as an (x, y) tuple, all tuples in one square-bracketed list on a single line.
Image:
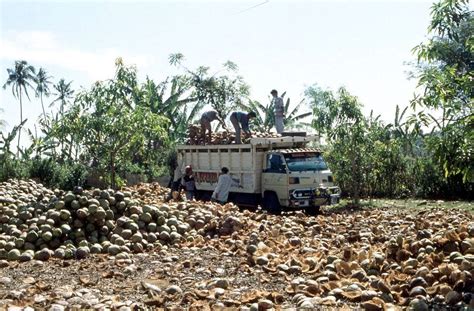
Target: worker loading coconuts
[(206, 119), (240, 121)]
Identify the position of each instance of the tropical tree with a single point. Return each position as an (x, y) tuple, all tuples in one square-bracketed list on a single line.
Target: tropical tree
[(115, 126), (10, 167), (265, 119), (445, 76), (63, 93), (20, 79), (171, 98), (407, 130), (42, 86), (340, 118), (224, 93)]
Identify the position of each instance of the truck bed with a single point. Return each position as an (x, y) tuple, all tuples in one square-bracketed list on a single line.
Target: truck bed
[(243, 161)]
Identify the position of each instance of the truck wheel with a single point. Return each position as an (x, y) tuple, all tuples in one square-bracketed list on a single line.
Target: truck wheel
[(203, 195), (312, 210), (271, 203)]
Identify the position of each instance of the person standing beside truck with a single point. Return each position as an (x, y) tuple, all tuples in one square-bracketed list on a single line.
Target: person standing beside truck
[(175, 180), (221, 193), (279, 112), (240, 121), (206, 119), (189, 183)]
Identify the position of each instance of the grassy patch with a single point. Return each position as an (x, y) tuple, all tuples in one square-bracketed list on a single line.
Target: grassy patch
[(406, 204)]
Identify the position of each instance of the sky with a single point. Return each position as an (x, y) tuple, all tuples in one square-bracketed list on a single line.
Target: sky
[(284, 45)]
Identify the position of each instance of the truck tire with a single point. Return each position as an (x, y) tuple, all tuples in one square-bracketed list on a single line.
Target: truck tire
[(271, 203), (312, 210), (203, 195)]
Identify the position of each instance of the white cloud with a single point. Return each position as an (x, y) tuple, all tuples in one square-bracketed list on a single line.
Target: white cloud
[(44, 48)]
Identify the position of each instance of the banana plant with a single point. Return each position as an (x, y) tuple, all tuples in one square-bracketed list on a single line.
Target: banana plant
[(169, 98), (6, 140), (265, 119)]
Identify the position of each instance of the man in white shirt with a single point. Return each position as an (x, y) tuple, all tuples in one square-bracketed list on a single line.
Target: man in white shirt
[(279, 112), (221, 193)]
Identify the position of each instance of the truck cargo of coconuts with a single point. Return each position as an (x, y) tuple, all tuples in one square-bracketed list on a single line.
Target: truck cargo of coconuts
[(287, 172)]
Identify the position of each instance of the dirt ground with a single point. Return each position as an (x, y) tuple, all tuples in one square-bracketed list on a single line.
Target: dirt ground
[(371, 258)]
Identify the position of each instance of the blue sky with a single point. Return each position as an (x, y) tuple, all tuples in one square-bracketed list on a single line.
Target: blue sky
[(287, 45)]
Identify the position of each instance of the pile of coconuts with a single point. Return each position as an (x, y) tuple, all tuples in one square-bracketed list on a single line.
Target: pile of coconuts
[(224, 137), (40, 223)]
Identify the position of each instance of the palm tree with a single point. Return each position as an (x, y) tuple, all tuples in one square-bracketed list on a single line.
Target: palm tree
[(64, 92), (42, 86), (20, 79)]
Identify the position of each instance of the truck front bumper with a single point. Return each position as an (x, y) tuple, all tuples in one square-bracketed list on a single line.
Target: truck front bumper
[(315, 197)]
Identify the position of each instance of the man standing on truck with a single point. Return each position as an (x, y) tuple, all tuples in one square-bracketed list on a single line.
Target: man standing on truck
[(206, 119), (279, 111), (221, 193), (241, 120)]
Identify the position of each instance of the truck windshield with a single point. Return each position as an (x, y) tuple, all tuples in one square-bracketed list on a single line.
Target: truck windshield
[(305, 162)]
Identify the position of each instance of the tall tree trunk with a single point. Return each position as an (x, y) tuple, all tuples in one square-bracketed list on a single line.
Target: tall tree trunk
[(19, 130), (42, 106), (355, 175), (355, 182), (112, 170), (70, 148), (36, 138), (62, 129)]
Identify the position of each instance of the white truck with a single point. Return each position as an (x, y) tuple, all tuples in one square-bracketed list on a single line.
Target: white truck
[(277, 173)]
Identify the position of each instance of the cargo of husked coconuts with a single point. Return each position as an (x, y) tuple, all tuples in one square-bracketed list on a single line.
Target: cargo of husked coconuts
[(222, 137)]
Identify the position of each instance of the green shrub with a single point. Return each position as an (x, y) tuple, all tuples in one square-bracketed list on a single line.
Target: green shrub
[(13, 168), (64, 176)]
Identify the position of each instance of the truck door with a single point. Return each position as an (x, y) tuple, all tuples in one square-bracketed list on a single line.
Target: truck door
[(275, 177)]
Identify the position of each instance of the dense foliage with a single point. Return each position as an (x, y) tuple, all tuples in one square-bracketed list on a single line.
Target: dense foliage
[(446, 80), (117, 129), (428, 153)]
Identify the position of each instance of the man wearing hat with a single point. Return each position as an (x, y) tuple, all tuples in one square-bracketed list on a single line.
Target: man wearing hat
[(279, 111)]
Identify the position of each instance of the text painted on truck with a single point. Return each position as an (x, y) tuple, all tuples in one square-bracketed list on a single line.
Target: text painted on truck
[(208, 177)]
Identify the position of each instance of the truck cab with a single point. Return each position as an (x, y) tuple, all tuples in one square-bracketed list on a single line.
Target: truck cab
[(297, 178)]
